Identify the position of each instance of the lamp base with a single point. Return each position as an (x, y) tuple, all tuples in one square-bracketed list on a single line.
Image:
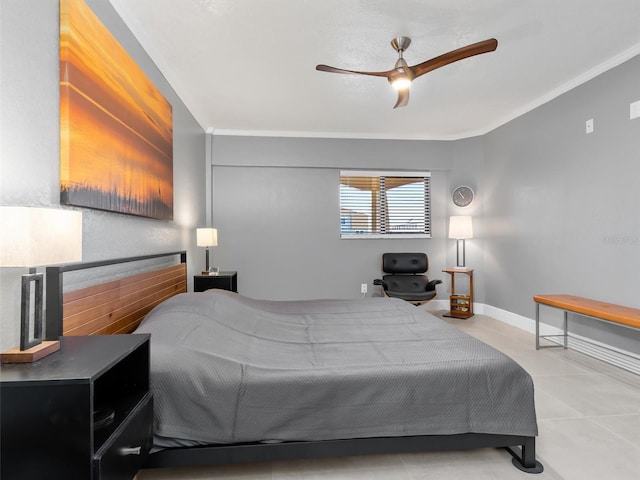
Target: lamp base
[(210, 272), (33, 354)]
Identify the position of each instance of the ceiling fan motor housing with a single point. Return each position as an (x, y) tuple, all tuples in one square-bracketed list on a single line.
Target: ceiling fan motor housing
[(401, 71)]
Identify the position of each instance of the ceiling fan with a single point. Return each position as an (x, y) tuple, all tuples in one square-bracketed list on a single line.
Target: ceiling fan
[(401, 76)]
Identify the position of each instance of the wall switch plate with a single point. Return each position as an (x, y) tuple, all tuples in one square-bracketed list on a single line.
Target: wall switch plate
[(589, 125), (363, 288), (634, 110)]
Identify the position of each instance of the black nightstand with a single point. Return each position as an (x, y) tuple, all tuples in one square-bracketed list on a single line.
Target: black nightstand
[(82, 412), (223, 281)]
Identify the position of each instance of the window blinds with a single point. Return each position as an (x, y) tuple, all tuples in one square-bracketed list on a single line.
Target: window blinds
[(376, 204)]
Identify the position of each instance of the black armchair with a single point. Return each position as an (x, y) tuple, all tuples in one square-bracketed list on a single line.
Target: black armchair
[(406, 277)]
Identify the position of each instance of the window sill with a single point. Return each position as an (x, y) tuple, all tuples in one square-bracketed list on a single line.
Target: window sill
[(388, 236)]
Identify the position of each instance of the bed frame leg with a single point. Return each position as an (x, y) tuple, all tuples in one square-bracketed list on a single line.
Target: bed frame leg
[(525, 460)]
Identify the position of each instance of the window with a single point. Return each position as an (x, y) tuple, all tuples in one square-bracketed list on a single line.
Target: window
[(385, 204)]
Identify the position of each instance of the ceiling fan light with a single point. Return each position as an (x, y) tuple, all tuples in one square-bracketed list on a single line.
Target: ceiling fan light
[(401, 83)]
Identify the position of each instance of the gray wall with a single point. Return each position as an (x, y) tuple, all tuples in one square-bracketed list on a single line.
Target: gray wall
[(556, 210), (30, 146), (467, 168), (276, 207), (562, 208)]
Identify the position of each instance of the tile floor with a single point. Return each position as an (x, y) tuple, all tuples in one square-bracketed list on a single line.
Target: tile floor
[(588, 417)]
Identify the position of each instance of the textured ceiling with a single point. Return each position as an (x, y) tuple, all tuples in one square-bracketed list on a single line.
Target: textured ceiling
[(248, 66)]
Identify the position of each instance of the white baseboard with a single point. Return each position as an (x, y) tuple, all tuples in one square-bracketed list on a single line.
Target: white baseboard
[(504, 316), (519, 321), (607, 353)]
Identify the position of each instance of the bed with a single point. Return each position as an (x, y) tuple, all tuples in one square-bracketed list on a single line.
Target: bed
[(237, 379)]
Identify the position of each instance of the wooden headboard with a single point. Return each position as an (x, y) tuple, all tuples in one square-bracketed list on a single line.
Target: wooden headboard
[(116, 306)]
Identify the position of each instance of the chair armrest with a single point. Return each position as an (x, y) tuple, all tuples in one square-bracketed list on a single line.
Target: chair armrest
[(432, 285), (380, 282)]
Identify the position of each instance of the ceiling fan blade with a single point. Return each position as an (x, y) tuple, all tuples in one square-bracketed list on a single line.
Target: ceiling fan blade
[(327, 68), (455, 55), (403, 98)]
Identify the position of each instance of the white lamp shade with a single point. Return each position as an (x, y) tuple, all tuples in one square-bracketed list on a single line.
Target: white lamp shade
[(206, 237), (460, 227), (32, 237)]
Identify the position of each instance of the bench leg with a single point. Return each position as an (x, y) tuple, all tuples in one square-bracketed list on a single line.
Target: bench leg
[(565, 335)]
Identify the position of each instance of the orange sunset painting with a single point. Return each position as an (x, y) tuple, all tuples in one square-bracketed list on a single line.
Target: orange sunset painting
[(116, 132)]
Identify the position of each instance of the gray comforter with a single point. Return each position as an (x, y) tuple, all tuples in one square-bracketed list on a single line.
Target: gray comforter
[(228, 369)]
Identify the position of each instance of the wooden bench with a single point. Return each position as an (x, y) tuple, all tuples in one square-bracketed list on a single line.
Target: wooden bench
[(607, 312)]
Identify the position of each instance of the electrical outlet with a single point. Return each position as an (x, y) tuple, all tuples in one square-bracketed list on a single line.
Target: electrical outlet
[(363, 288), (589, 125)]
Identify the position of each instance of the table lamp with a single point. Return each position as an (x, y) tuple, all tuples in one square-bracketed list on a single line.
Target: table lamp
[(34, 237), (460, 228), (207, 237)]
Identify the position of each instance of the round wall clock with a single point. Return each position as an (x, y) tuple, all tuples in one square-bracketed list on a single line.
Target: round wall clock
[(462, 196)]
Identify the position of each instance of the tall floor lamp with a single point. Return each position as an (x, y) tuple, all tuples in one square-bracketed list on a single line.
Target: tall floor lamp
[(33, 237), (460, 228)]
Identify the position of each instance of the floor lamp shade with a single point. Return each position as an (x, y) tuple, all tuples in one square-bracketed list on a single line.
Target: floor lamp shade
[(460, 228), (33, 237)]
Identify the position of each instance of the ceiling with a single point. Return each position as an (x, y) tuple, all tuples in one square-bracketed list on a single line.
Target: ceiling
[(247, 67)]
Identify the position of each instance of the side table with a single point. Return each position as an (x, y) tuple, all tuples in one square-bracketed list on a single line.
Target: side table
[(223, 281), (460, 305)]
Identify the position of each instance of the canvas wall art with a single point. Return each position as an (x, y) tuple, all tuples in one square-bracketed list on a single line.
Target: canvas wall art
[(116, 128)]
